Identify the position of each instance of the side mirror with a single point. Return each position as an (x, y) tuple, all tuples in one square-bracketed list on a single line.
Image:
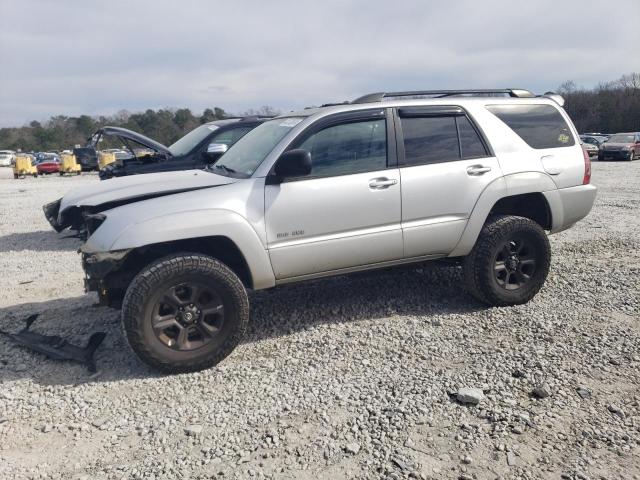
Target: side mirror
[(294, 163), (217, 148)]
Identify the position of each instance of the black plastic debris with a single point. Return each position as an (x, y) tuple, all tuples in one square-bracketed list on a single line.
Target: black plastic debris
[(56, 347)]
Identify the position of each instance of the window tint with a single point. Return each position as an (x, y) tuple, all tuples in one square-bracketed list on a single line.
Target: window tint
[(470, 143), (430, 140), (348, 148), (541, 126)]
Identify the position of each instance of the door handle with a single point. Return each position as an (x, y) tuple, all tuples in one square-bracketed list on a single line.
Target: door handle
[(382, 182), (476, 170)]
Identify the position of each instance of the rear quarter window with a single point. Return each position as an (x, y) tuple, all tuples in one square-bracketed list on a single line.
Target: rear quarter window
[(541, 126)]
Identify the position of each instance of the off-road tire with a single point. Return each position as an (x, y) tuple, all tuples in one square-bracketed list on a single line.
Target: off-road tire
[(479, 265), (136, 312)]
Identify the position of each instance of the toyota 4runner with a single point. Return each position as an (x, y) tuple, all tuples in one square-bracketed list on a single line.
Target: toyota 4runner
[(479, 176)]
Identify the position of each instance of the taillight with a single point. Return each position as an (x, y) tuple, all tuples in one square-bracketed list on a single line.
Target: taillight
[(587, 168)]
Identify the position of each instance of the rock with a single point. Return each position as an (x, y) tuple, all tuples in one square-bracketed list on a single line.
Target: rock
[(583, 392), (471, 396), (352, 448), (193, 430), (511, 459), (616, 410), (615, 361), (99, 422), (3, 420), (467, 460), (541, 391), (517, 373), (46, 428), (517, 429)]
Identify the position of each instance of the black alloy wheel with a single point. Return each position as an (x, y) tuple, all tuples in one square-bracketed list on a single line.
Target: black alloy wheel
[(515, 263), (188, 316)]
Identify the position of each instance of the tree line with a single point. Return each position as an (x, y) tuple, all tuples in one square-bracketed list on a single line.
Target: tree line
[(609, 107), (61, 132)]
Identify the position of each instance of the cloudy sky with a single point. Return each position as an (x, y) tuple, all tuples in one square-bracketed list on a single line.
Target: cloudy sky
[(78, 57)]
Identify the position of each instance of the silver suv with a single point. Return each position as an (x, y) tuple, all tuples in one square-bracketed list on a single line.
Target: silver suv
[(478, 176)]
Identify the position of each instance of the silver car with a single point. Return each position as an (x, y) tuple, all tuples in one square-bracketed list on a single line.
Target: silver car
[(476, 176), (7, 158)]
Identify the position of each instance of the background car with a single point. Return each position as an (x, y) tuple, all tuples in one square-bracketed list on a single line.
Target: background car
[(47, 163), (7, 157), (592, 150), (197, 149), (596, 140), (621, 146)]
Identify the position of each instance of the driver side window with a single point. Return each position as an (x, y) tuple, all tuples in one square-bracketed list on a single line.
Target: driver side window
[(348, 148)]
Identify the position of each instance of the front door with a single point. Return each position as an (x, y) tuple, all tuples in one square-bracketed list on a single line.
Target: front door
[(444, 166), (346, 213)]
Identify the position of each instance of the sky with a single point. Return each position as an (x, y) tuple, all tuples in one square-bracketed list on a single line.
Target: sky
[(73, 57)]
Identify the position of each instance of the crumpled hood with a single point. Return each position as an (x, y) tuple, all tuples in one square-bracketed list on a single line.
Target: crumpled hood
[(107, 194), (136, 186)]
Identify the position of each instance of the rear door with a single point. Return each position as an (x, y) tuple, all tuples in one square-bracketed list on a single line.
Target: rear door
[(346, 213), (445, 164)]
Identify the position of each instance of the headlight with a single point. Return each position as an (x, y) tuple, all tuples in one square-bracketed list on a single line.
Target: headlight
[(626, 148), (92, 222)]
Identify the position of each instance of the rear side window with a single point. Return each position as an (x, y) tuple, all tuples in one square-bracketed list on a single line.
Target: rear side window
[(430, 140), (440, 139), (470, 144), (541, 126)]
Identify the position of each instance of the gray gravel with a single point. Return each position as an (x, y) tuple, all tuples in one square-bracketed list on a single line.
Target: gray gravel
[(353, 377)]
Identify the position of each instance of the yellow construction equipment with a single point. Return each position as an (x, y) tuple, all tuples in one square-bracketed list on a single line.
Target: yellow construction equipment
[(69, 165), (24, 167), (105, 158)]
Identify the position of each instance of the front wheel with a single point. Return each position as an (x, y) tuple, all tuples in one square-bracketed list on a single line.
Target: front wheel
[(509, 262), (632, 156), (185, 313)]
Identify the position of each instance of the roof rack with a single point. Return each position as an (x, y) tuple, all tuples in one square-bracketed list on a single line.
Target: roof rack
[(511, 92)]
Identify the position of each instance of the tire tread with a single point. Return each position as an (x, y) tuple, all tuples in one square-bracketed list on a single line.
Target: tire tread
[(142, 285)]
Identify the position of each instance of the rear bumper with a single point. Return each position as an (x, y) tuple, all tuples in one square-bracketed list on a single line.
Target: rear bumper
[(569, 205)]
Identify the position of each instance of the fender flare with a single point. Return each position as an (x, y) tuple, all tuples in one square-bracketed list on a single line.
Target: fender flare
[(507, 186), (198, 224)]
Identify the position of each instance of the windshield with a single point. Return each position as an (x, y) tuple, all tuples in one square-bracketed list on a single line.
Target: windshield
[(191, 140), (621, 139), (250, 151)]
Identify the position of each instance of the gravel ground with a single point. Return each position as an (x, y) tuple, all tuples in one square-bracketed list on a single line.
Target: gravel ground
[(351, 377)]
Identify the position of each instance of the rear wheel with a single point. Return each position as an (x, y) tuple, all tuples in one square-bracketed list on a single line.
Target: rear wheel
[(185, 313), (509, 262)]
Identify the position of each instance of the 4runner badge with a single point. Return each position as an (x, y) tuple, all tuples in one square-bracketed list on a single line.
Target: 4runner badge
[(295, 233)]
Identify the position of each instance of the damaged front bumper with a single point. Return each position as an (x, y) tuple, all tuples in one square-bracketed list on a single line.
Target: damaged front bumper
[(97, 266), (51, 213)]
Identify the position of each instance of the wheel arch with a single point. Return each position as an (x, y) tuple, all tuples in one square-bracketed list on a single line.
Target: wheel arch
[(213, 232), (527, 194)]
